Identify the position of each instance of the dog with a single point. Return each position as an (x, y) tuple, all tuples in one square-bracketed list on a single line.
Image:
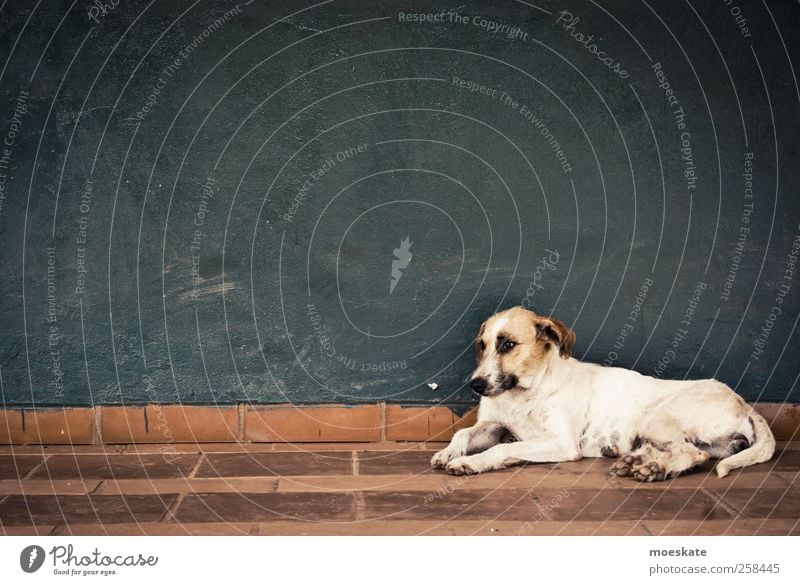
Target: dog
[(557, 408)]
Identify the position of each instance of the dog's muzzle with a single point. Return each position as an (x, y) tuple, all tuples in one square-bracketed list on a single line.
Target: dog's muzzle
[(481, 385), (508, 382)]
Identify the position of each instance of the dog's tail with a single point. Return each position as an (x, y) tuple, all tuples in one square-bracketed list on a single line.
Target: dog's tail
[(762, 447)]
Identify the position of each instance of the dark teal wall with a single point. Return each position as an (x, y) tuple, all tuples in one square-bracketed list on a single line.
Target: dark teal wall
[(203, 202)]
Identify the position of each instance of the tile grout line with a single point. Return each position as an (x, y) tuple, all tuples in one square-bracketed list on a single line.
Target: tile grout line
[(382, 411), (36, 467), (788, 481), (97, 436), (196, 467), (359, 507), (729, 508), (170, 512)]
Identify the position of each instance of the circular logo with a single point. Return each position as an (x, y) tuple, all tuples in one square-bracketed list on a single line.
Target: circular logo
[(31, 558)]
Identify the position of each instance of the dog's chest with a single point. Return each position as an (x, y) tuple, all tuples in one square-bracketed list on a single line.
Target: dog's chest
[(521, 414)]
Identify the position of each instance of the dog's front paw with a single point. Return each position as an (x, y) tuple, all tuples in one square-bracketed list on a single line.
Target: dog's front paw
[(464, 466), (443, 457)]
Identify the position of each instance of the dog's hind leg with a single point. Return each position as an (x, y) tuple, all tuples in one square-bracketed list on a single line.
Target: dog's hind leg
[(651, 462)]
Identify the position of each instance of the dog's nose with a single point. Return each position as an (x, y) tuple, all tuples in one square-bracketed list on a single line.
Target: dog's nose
[(478, 385)]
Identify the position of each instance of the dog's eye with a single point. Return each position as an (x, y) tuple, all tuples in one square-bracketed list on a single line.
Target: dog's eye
[(506, 345), (483, 345)]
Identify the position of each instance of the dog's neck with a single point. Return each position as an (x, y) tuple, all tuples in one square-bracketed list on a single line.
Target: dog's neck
[(553, 373)]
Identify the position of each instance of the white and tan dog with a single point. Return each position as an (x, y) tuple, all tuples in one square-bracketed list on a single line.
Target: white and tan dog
[(561, 409)]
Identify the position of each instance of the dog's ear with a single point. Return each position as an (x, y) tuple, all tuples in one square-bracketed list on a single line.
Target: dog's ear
[(557, 332), (479, 344)]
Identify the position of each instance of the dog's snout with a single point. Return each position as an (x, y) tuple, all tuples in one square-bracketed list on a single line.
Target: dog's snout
[(478, 385)]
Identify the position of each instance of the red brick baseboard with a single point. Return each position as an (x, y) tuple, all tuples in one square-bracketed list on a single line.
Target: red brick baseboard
[(176, 423)]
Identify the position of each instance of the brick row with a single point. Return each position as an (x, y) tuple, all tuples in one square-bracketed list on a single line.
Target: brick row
[(170, 425)]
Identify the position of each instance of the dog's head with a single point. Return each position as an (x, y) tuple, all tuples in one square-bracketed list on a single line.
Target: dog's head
[(513, 346)]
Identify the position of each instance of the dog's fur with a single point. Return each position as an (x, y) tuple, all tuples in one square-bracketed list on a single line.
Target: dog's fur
[(561, 409)]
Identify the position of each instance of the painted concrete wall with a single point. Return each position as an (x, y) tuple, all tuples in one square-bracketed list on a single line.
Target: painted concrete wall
[(219, 202)]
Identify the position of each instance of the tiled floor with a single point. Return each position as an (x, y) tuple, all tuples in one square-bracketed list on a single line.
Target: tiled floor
[(373, 488)]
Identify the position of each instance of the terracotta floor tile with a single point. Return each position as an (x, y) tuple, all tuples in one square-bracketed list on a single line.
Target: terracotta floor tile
[(40, 530), (310, 489), (394, 462), (45, 487), (161, 529), (244, 507), (191, 486), (788, 445), (633, 504), (763, 503), (733, 527), (358, 483), (447, 528), (535, 477), (272, 464), (786, 460), (173, 448), (376, 446), (461, 504), (60, 449), (36, 510), (546, 528), (354, 528), (791, 478), (15, 467), (116, 466), (589, 464)]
